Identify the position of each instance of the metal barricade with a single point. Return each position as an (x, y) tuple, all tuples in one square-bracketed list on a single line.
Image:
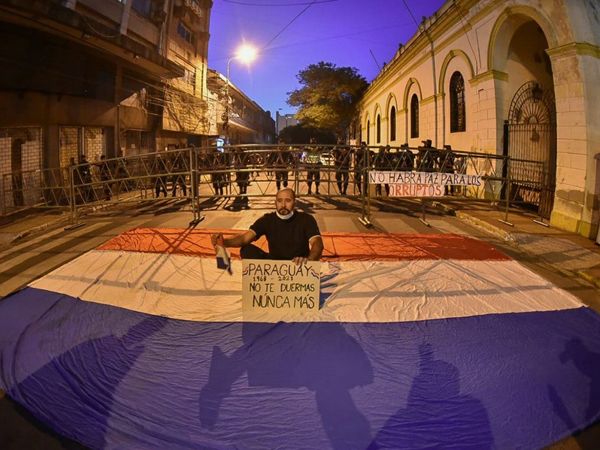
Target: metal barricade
[(232, 175), (40, 188)]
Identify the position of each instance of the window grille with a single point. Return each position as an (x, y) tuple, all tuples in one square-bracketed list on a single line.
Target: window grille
[(457, 103), (189, 76), (414, 116), (94, 144), (393, 124), (75, 141), (68, 145), (184, 32), (143, 7)]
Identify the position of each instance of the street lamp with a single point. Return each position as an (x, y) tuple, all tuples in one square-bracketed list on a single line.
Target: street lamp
[(246, 53)]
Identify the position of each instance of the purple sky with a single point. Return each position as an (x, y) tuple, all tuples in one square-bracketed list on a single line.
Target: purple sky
[(343, 32)]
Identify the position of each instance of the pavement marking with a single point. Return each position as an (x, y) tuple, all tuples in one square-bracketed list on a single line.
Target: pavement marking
[(57, 240), (443, 224), (248, 218), (399, 224), (343, 224), (33, 263), (17, 245)]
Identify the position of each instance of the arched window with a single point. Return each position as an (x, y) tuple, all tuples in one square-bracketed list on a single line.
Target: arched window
[(414, 116), (393, 124), (368, 132), (378, 129), (457, 103)]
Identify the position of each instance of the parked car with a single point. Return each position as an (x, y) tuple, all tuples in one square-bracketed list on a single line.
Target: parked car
[(327, 159)]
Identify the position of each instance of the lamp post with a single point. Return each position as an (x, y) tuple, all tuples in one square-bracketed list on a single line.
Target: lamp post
[(246, 54)]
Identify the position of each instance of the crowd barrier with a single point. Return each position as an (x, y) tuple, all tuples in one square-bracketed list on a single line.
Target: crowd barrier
[(237, 173)]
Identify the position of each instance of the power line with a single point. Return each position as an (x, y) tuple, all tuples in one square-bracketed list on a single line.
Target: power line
[(375, 59), (464, 26), (237, 2), (411, 14), (326, 38), (289, 23)]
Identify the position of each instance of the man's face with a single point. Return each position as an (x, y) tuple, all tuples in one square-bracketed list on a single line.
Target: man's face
[(284, 202)]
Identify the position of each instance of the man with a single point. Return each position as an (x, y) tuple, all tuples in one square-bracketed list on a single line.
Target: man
[(382, 163), (179, 169), (159, 170), (312, 162), (292, 235), (281, 163), (105, 177), (446, 165), (85, 176), (219, 173), (341, 154), (360, 163)]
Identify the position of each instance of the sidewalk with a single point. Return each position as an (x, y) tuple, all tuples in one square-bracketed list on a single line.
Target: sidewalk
[(21, 224), (569, 253)]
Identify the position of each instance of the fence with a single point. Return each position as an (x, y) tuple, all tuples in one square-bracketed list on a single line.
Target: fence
[(238, 173)]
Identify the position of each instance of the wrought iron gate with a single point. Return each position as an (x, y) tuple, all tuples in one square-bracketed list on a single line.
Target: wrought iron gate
[(530, 142)]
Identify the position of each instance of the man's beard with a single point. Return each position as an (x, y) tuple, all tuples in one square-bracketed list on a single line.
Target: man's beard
[(284, 213)]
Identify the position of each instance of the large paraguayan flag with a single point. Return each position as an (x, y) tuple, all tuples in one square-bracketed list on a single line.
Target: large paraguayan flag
[(421, 341)]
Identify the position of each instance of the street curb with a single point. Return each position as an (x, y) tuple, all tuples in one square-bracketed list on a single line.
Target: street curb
[(486, 226), (62, 220), (38, 229), (589, 277)]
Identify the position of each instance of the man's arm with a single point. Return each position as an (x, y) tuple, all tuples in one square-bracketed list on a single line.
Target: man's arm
[(236, 241), (314, 254), (316, 248)]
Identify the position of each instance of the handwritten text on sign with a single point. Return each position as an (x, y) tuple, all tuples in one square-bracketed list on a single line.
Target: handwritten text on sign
[(437, 178), (421, 184), (279, 288)]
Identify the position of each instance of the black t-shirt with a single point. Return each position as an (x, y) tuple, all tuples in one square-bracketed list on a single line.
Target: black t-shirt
[(287, 238)]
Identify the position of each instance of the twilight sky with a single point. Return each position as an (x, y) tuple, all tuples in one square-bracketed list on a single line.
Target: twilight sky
[(343, 32)]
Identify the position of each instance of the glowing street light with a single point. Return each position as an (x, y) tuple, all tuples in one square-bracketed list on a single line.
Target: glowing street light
[(246, 53)]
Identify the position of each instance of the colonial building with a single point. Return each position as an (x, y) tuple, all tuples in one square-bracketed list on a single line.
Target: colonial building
[(244, 121), (285, 120), (506, 77), (93, 77)]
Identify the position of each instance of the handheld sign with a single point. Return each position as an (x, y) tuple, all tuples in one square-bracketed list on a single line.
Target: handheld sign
[(279, 290)]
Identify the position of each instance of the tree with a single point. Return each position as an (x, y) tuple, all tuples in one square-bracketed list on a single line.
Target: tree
[(301, 134), (328, 97)]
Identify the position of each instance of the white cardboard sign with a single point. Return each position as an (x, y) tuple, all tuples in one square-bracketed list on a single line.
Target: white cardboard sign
[(280, 290)]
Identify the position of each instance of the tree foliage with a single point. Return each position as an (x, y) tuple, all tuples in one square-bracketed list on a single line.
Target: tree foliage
[(301, 134), (328, 97)]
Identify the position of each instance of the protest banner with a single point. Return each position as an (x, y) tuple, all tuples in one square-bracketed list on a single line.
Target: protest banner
[(421, 184)]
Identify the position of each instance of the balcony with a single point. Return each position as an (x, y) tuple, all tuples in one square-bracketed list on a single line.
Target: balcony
[(92, 27), (199, 8)]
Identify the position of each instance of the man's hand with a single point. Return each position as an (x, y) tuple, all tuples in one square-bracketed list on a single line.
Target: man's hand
[(217, 239), (299, 260)]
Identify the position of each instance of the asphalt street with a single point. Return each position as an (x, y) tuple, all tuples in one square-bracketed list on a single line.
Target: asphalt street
[(36, 255)]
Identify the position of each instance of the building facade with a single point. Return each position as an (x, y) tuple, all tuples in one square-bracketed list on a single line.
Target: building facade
[(507, 77), (100, 77), (285, 120), (244, 121)]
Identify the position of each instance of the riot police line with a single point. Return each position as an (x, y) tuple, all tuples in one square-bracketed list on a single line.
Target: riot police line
[(238, 173)]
